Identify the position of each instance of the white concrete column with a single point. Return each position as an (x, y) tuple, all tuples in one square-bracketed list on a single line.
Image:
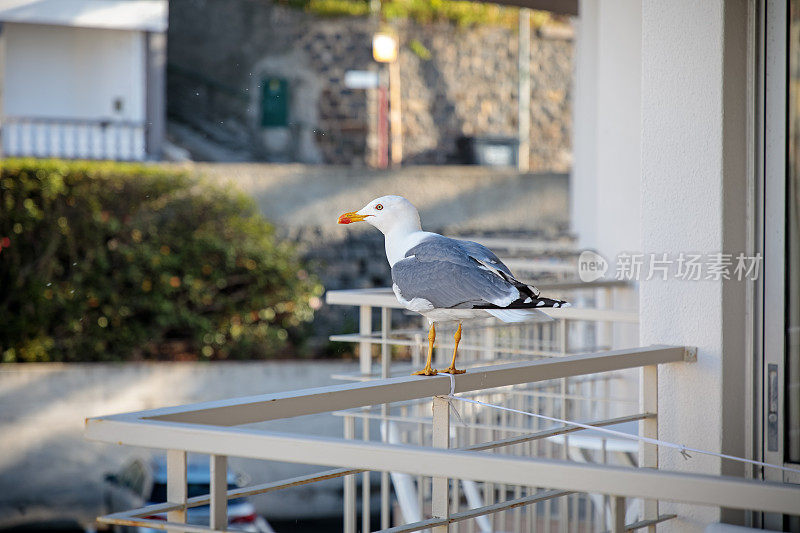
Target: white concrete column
[(606, 174), (583, 182), (693, 198), (606, 168)]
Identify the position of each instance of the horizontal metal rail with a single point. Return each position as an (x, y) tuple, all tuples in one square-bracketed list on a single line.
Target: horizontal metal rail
[(415, 421), (197, 501), (641, 524), (698, 489), (385, 297), (395, 341), (552, 432), (204, 428), (265, 407), (162, 525), (478, 511), (398, 341), (126, 517)]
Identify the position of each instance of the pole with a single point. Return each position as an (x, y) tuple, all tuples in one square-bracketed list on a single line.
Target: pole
[(383, 127), (395, 115), (524, 106)]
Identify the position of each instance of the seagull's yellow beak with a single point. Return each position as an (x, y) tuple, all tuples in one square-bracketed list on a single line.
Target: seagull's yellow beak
[(352, 216)]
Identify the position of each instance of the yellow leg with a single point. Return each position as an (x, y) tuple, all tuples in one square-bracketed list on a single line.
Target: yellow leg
[(452, 368), (428, 371)]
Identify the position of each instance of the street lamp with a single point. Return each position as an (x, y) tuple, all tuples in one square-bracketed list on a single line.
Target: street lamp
[(384, 50)]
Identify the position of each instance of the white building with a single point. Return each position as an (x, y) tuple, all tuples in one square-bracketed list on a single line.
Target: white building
[(83, 78), (686, 141)]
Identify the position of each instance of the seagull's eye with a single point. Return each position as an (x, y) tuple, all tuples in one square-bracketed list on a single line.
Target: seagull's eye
[(378, 207)]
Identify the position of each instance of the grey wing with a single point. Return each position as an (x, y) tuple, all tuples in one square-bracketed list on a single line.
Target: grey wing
[(485, 256), (468, 254), (446, 284)]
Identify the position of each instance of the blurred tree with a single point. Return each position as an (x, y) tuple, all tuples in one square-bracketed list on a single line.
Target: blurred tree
[(108, 261)]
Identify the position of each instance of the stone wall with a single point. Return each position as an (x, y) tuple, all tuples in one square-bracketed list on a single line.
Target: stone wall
[(219, 51)]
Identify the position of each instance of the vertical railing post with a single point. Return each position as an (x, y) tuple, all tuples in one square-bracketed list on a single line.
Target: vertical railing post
[(648, 453), (618, 514), (366, 488), (386, 354), (365, 347), (219, 493), (349, 482), (176, 485), (563, 502), (441, 439)]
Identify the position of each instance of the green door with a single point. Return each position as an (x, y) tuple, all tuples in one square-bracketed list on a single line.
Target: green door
[(274, 103)]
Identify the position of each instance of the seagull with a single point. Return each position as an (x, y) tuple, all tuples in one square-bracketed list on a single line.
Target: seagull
[(447, 279)]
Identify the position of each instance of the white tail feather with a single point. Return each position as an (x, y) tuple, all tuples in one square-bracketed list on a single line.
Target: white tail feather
[(519, 315)]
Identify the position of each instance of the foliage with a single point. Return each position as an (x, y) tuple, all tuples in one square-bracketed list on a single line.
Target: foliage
[(107, 261), (460, 12), (420, 49)]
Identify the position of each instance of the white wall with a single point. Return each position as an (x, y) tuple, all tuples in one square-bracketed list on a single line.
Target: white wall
[(693, 198), (57, 71), (606, 173)]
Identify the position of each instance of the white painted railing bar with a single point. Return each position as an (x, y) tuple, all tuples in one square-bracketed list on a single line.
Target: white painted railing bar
[(178, 457), (682, 448), (384, 296), (561, 430), (162, 525), (526, 435), (648, 452), (618, 514), (395, 341), (174, 506), (197, 501), (205, 428), (440, 497), (349, 492), (366, 298), (644, 483), (641, 524), (480, 511), (177, 489), (265, 407), (531, 393), (219, 492)]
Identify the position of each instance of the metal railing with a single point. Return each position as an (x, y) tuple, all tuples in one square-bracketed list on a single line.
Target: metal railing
[(221, 429), (72, 138), (593, 315), (593, 324)]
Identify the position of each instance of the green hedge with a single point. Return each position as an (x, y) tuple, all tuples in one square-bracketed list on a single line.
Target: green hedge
[(107, 261), (460, 12)]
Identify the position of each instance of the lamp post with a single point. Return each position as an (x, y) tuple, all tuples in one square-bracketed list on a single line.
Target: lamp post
[(524, 102), (384, 50)]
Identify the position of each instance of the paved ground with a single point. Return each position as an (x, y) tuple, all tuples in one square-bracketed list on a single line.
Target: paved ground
[(48, 471)]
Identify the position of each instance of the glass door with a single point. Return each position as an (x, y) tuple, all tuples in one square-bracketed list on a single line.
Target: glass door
[(780, 232)]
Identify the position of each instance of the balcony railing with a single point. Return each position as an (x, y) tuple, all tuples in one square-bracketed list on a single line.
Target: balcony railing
[(221, 429), (72, 138)]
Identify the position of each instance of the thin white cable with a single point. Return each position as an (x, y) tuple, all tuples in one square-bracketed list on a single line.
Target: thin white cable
[(682, 448)]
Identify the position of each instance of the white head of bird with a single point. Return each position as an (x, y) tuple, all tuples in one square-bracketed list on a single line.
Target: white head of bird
[(390, 214)]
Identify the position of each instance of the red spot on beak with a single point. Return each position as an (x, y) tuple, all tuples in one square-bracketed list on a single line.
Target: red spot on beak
[(349, 218)]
